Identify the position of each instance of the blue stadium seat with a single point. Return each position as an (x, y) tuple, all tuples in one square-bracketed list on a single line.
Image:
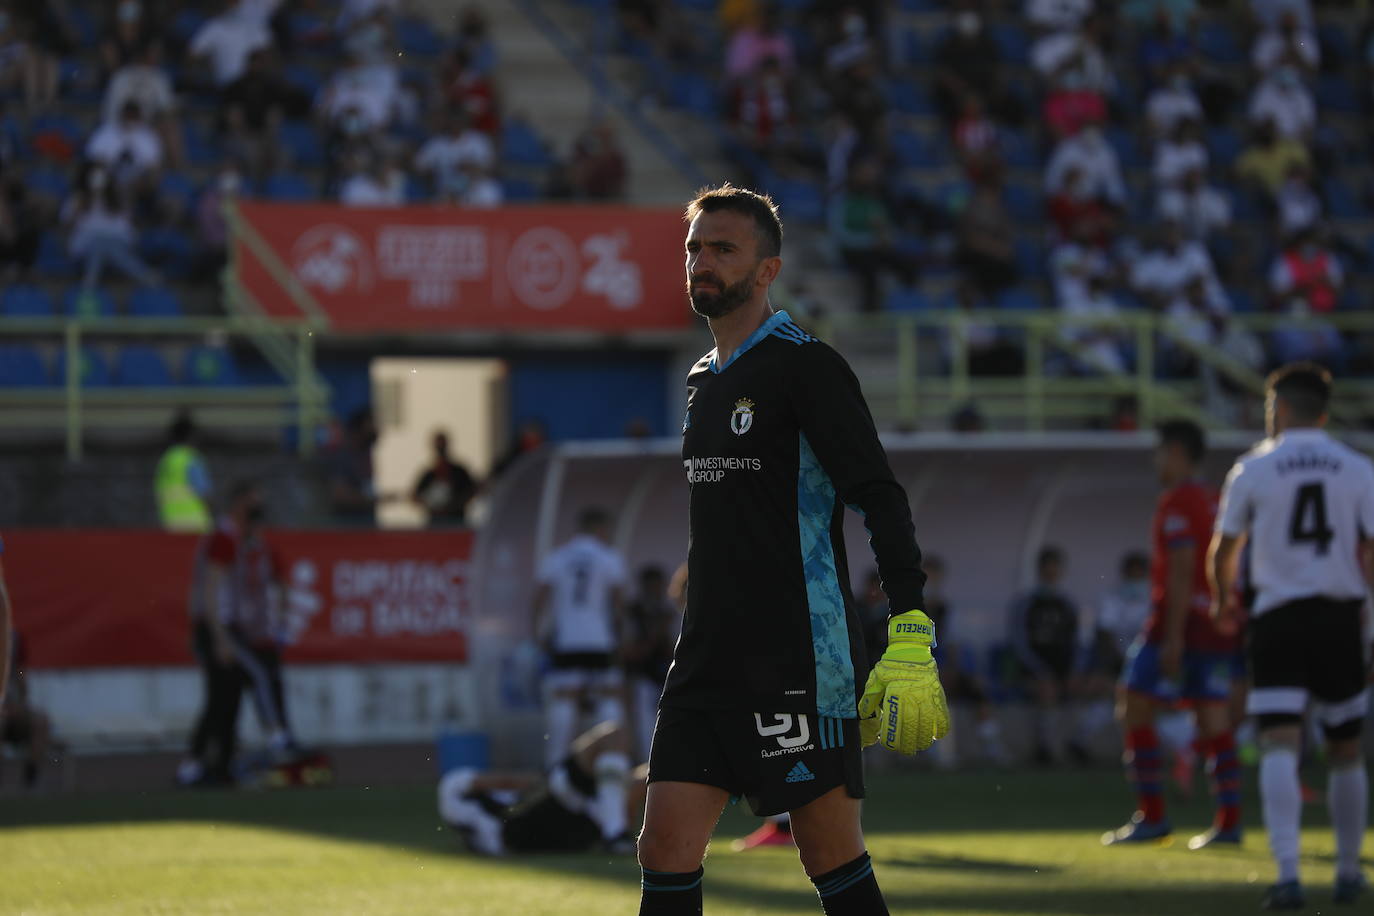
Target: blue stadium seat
[(1335, 93), (52, 259), (418, 190), (22, 300), (169, 249), (154, 302), (186, 23), (201, 149), (56, 123), (287, 186), (920, 6), (1336, 46), (1030, 257), (93, 303), (799, 200), (302, 143), (209, 367), (1126, 148), (1245, 207), (416, 36), (177, 187), (48, 182), (143, 367), (694, 93), (917, 151), (1218, 42), (94, 373), (909, 97), (520, 145), (1224, 145), (903, 299), (916, 50), (519, 190), (21, 367), (953, 195), (1018, 299), (1342, 201), (1023, 203), (1017, 149), (1013, 41), (1242, 302)]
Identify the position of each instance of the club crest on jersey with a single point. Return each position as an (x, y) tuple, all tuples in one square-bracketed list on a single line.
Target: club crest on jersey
[(742, 417)]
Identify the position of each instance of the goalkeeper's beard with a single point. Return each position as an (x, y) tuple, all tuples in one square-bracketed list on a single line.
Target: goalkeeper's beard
[(718, 304)]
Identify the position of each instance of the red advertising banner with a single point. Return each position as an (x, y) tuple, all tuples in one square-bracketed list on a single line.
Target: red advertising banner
[(428, 268), (94, 599)]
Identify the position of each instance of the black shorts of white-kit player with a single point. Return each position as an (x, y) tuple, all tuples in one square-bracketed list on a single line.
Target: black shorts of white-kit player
[(1310, 649), (776, 761)]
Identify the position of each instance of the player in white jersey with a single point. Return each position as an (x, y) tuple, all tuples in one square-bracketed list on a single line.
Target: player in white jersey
[(1305, 502), (577, 610)]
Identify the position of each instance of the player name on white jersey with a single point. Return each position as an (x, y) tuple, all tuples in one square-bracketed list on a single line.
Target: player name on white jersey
[(1307, 502)]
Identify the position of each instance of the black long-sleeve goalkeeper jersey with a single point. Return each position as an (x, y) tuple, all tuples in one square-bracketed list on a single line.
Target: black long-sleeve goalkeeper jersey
[(775, 444)]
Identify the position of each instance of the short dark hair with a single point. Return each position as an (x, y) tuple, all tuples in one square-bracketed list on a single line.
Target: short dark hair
[(1187, 435), (759, 207), (1304, 387), (592, 518), (1047, 555)]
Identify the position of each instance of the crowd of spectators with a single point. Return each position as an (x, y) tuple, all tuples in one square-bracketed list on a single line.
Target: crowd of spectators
[(125, 125), (1176, 144)]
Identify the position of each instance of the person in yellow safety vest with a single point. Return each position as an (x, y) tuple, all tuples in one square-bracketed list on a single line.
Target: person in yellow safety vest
[(182, 481)]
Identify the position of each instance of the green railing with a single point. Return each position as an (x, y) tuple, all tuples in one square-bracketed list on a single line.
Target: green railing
[(916, 369), (74, 407)]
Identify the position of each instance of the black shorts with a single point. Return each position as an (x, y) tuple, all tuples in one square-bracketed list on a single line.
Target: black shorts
[(777, 761), (583, 661), (1312, 648)]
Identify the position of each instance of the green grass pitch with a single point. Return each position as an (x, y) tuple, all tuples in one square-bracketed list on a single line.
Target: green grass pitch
[(971, 844)]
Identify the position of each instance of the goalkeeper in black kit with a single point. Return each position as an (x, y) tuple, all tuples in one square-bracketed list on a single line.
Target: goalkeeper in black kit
[(767, 698)]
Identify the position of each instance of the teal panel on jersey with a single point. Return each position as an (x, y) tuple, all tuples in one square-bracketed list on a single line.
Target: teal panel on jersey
[(829, 622)]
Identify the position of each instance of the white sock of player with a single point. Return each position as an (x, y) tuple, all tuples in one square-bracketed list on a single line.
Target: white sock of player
[(1281, 796), (561, 715), (1347, 798), (612, 774)]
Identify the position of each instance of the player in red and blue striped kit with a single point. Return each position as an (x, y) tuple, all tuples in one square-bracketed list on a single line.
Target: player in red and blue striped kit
[(1181, 658)]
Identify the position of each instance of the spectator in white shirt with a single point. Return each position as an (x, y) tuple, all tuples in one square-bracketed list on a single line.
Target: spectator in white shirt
[(226, 40), (1165, 274), (374, 182), (1284, 100), (1057, 15), (100, 231), (443, 155), (1073, 61), (1097, 162), (1300, 209), (1172, 103), (148, 86), (1098, 341), (1196, 206), (1180, 154), (362, 98), (1286, 45), (127, 147)]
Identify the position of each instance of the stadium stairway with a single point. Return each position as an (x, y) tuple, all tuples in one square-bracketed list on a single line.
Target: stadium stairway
[(541, 84)]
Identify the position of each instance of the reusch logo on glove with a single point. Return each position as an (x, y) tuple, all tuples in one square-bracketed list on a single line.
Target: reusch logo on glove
[(893, 713), (922, 629)]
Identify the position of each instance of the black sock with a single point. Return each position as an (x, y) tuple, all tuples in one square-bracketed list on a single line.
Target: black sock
[(671, 893), (851, 890)]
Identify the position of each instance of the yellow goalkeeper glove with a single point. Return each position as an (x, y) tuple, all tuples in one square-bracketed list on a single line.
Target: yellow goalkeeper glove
[(903, 704)]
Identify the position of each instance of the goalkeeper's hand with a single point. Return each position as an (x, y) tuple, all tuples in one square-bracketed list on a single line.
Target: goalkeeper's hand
[(903, 705)]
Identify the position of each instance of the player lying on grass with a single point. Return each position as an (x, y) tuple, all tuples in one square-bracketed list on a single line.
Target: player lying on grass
[(585, 802)]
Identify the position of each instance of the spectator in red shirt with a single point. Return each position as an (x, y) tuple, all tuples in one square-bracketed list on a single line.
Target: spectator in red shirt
[(465, 86)]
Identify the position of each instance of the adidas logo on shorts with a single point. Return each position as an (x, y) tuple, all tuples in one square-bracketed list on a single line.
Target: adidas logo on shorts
[(799, 773)]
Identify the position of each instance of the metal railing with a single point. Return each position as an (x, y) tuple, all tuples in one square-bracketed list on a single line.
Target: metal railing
[(75, 407), (917, 368)]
